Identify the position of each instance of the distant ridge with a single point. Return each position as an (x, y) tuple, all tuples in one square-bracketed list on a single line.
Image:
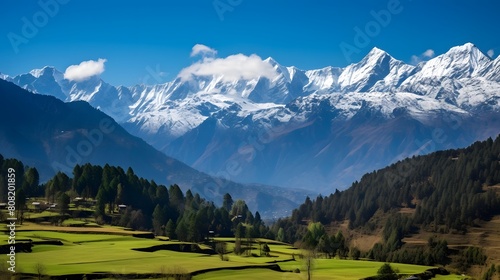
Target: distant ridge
[(312, 129)]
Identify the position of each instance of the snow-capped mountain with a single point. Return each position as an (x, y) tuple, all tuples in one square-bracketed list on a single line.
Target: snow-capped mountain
[(444, 76), (492, 72), (378, 71), (49, 135), (314, 129)]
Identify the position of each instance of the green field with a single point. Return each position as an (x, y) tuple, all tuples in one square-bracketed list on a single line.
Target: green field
[(110, 250)]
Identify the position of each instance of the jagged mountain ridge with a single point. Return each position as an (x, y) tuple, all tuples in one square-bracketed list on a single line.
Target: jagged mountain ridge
[(211, 123)]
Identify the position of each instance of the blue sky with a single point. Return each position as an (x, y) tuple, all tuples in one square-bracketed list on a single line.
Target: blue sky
[(141, 39)]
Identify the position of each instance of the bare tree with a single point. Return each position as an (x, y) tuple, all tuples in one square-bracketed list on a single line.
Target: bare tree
[(220, 248), (309, 257), (40, 271)]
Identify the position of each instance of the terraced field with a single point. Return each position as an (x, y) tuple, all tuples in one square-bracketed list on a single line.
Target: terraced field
[(117, 253)]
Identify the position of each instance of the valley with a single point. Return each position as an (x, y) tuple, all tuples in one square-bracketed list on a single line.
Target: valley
[(227, 165), (376, 170), (116, 220)]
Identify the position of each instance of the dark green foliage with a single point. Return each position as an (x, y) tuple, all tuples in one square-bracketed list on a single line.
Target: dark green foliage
[(170, 229), (221, 249), (101, 203), (63, 201), (31, 182), (166, 211), (472, 256), (281, 235), (396, 227), (447, 190), (159, 220), (325, 246), (435, 253), (386, 272), (447, 186), (340, 245), (182, 230), (23, 179), (18, 166), (170, 212), (20, 203), (266, 250), (314, 232), (227, 203), (438, 251), (355, 253), (292, 230)]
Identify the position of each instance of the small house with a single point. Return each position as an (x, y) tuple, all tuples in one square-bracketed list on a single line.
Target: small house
[(36, 205), (122, 208)]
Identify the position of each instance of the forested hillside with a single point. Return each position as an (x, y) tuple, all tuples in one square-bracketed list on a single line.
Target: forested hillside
[(117, 197), (443, 192)]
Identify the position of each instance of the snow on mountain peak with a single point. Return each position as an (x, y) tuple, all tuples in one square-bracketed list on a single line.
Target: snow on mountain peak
[(459, 62), (323, 80), (376, 52), (448, 76), (470, 53), (467, 46), (271, 61), (44, 71), (250, 79), (218, 97), (377, 71), (4, 76)]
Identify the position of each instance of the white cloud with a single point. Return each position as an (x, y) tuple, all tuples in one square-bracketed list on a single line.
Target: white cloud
[(231, 68), (491, 53), (428, 54), (415, 59), (84, 70), (202, 50)]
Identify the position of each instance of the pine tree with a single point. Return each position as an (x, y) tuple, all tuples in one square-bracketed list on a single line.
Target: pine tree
[(181, 231), (158, 220), (281, 235), (100, 203), (227, 202), (31, 181), (63, 201), (170, 229)]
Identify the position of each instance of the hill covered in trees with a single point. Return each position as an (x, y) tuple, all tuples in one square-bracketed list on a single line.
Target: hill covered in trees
[(119, 197), (443, 192)]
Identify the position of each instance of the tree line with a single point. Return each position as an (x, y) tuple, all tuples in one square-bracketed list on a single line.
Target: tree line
[(445, 191), (122, 198)]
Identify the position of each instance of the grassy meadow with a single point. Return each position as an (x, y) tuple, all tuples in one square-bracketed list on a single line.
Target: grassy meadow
[(80, 246), (112, 250)]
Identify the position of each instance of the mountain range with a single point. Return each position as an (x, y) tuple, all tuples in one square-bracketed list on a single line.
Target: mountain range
[(310, 129), (54, 136)]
